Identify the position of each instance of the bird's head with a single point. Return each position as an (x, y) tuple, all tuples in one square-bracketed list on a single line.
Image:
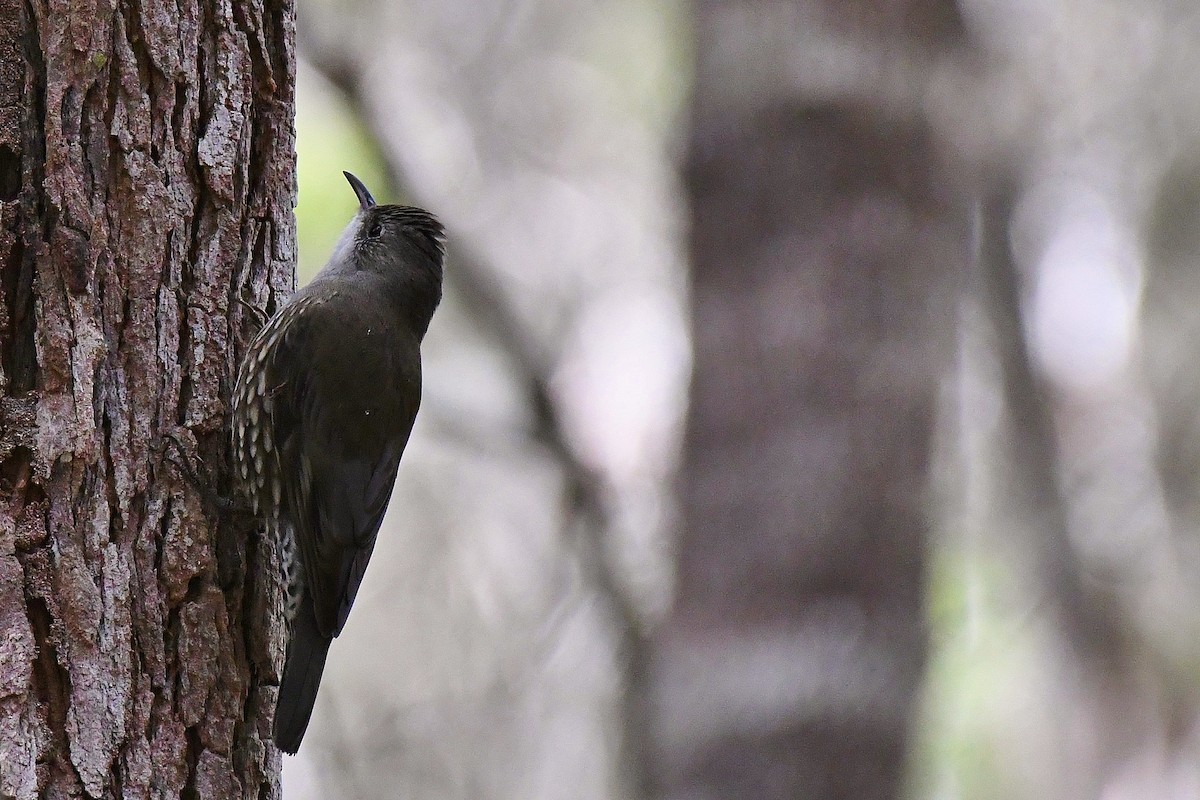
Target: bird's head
[(386, 238), (402, 245)]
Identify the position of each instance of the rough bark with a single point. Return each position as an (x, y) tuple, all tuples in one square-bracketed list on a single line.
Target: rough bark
[(146, 192), (826, 243)]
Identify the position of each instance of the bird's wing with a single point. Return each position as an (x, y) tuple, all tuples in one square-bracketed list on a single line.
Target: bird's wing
[(336, 483), (349, 500)]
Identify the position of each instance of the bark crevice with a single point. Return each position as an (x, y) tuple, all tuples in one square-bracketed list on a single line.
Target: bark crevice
[(128, 184)]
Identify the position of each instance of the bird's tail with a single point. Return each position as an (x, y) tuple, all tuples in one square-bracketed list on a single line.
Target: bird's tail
[(306, 653)]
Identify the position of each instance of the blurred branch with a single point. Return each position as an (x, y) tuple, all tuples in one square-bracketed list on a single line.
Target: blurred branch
[(475, 285), (1088, 622), (590, 518)]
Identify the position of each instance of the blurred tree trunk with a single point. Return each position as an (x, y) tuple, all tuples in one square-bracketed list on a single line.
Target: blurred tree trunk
[(146, 186), (826, 245)]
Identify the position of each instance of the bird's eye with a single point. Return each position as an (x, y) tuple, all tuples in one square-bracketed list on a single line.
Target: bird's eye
[(374, 229)]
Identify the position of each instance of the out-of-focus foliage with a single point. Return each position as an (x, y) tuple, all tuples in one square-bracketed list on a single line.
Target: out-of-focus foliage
[(329, 139)]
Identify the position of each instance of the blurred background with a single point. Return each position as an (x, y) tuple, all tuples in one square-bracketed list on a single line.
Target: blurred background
[(812, 409)]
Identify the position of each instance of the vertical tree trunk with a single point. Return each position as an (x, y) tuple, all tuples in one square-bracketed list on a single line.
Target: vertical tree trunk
[(825, 246), (146, 192)]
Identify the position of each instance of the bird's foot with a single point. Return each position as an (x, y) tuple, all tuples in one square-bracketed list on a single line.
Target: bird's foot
[(260, 315)]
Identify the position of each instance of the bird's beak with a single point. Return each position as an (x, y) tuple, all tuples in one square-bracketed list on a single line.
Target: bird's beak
[(365, 200)]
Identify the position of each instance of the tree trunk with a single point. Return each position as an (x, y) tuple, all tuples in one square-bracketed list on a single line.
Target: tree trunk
[(146, 191), (825, 248)]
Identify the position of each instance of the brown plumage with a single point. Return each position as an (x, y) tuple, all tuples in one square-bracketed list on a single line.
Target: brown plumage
[(324, 404)]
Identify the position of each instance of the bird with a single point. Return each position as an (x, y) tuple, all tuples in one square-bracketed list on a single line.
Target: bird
[(323, 406)]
